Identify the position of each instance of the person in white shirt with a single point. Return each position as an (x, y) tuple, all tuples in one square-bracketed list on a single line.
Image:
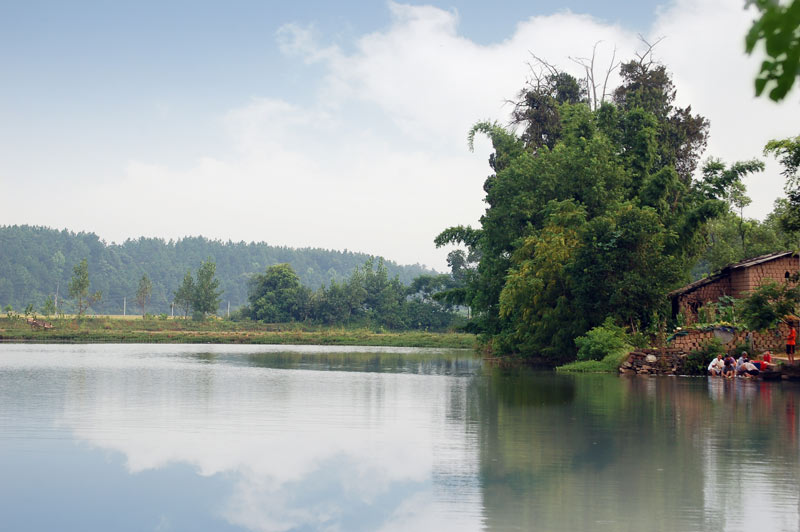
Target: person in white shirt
[(716, 366)]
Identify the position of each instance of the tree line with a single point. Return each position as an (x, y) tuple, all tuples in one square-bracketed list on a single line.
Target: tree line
[(36, 263), (369, 297)]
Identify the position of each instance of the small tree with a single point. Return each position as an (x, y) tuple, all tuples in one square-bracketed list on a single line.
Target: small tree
[(206, 295), (79, 287), (143, 292), (49, 307), (769, 304), (184, 295)]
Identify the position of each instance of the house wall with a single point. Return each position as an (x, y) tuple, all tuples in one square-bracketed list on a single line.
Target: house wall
[(689, 303), (774, 270), (738, 283)]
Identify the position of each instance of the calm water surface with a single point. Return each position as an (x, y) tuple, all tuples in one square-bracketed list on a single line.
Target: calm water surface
[(277, 438)]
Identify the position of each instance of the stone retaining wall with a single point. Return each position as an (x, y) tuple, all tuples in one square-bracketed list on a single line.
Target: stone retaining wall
[(672, 360), (665, 361)]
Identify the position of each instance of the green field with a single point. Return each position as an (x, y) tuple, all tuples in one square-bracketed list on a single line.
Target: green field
[(127, 329)]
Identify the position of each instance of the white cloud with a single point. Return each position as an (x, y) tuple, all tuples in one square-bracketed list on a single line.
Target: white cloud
[(376, 161), (300, 449)]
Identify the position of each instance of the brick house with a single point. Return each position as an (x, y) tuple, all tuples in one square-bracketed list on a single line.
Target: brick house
[(734, 280)]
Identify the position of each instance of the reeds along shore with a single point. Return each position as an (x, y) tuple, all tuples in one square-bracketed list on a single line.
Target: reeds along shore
[(159, 330)]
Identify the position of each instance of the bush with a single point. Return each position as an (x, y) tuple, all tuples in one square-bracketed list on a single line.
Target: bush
[(697, 362), (767, 306), (601, 341)]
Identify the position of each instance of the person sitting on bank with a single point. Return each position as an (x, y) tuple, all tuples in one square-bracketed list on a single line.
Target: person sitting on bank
[(765, 362), (748, 370), (742, 359), (730, 367), (790, 342), (716, 367)]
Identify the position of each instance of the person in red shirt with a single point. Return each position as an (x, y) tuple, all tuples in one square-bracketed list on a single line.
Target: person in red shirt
[(790, 342), (766, 360)]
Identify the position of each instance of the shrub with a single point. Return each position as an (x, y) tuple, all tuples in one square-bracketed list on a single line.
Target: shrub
[(766, 306), (697, 362), (601, 341)]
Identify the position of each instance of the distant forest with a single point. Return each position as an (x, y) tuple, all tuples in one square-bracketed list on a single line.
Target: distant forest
[(37, 261)]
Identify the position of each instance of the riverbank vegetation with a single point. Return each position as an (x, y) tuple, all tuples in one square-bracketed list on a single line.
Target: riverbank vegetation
[(108, 329), (368, 298), (601, 350), (598, 206)]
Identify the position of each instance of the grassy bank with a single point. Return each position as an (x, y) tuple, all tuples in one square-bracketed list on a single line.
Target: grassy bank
[(609, 364), (127, 330)]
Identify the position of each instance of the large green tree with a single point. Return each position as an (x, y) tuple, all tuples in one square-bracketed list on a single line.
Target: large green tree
[(592, 217), (276, 296)]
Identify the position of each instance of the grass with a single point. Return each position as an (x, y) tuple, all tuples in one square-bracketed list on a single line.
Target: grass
[(108, 329), (609, 364)]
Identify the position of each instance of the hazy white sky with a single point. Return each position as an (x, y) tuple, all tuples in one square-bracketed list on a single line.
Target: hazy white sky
[(305, 125)]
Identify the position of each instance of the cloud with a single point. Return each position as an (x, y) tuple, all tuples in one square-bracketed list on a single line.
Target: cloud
[(376, 159), (309, 449)]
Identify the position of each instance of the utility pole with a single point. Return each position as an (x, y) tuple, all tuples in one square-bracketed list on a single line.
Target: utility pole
[(229, 309), (173, 309), (57, 285), (124, 305)]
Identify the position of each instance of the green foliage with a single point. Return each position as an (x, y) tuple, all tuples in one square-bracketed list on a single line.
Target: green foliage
[(49, 308), (697, 362), (143, 292), (728, 309), (369, 297), (79, 287), (592, 216), (601, 341), (206, 294), (608, 364), (724, 243), (184, 295), (769, 304), (278, 297), (779, 29), (788, 152), (36, 261)]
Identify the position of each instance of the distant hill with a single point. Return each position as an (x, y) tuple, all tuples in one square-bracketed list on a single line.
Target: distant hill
[(35, 261)]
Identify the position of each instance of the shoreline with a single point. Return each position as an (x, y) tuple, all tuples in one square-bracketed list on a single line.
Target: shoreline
[(107, 330)]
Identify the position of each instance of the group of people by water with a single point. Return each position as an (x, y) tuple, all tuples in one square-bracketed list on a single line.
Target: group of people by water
[(727, 366)]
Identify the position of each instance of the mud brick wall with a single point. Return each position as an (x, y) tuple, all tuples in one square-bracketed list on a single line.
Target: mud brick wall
[(747, 279), (738, 283), (761, 341), (709, 292)]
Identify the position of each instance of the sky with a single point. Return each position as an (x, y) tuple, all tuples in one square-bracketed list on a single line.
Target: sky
[(320, 124)]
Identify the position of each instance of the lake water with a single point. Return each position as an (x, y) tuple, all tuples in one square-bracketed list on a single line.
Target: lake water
[(277, 438)]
